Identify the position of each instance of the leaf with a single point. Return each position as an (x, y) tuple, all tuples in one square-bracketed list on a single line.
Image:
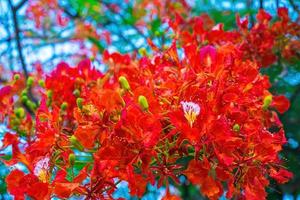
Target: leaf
[(155, 25), (97, 43)]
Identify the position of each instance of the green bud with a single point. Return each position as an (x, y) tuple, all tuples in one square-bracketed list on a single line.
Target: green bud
[(31, 105), (76, 93), (236, 128), (48, 102), (16, 77), (24, 93), (124, 83), (143, 102), (42, 83), (24, 99), (76, 144), (143, 51), (30, 81), (79, 102), (20, 112), (267, 102), (72, 158), (50, 94), (64, 106)]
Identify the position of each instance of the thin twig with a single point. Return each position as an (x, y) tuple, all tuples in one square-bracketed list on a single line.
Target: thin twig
[(14, 11)]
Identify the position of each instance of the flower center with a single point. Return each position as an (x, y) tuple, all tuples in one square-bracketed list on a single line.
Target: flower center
[(191, 111), (41, 169)]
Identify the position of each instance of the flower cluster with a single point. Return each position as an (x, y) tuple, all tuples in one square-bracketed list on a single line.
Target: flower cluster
[(202, 100)]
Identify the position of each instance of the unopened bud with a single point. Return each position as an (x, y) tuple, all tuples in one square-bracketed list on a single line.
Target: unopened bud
[(49, 94), (64, 106), (30, 81), (79, 102), (72, 159), (76, 93), (31, 104), (76, 144), (20, 112), (24, 93), (143, 102), (124, 83), (236, 128), (42, 83), (16, 77), (24, 99), (143, 51), (267, 102)]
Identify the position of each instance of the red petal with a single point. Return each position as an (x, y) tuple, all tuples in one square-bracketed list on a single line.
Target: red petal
[(64, 190), (281, 176), (39, 191), (9, 139), (281, 103), (14, 186)]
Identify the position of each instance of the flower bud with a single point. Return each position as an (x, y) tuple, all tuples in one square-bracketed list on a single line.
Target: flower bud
[(124, 83), (143, 51), (76, 93), (24, 93), (76, 144), (64, 106), (24, 99), (143, 102), (50, 94), (236, 128), (267, 102), (79, 102), (72, 158), (20, 112), (42, 83), (31, 104), (16, 77), (30, 81)]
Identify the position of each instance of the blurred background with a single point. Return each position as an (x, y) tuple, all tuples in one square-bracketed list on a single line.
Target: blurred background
[(37, 34)]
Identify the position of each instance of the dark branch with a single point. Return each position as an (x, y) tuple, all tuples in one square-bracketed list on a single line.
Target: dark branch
[(18, 39), (14, 11), (21, 4), (69, 14), (295, 7), (261, 4), (123, 19)]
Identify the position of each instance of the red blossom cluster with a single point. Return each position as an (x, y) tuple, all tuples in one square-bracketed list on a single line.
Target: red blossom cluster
[(202, 100)]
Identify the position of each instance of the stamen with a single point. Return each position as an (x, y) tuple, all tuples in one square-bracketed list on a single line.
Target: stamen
[(41, 169), (191, 111)]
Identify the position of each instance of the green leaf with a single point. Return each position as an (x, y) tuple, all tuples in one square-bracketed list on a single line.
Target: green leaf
[(97, 43), (155, 25)]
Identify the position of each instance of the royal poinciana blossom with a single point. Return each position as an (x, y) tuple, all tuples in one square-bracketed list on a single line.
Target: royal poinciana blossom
[(203, 99)]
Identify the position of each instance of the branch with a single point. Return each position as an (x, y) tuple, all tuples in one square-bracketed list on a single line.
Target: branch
[(14, 11), (261, 4), (295, 7), (123, 18), (18, 39), (69, 14), (21, 4), (109, 21)]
